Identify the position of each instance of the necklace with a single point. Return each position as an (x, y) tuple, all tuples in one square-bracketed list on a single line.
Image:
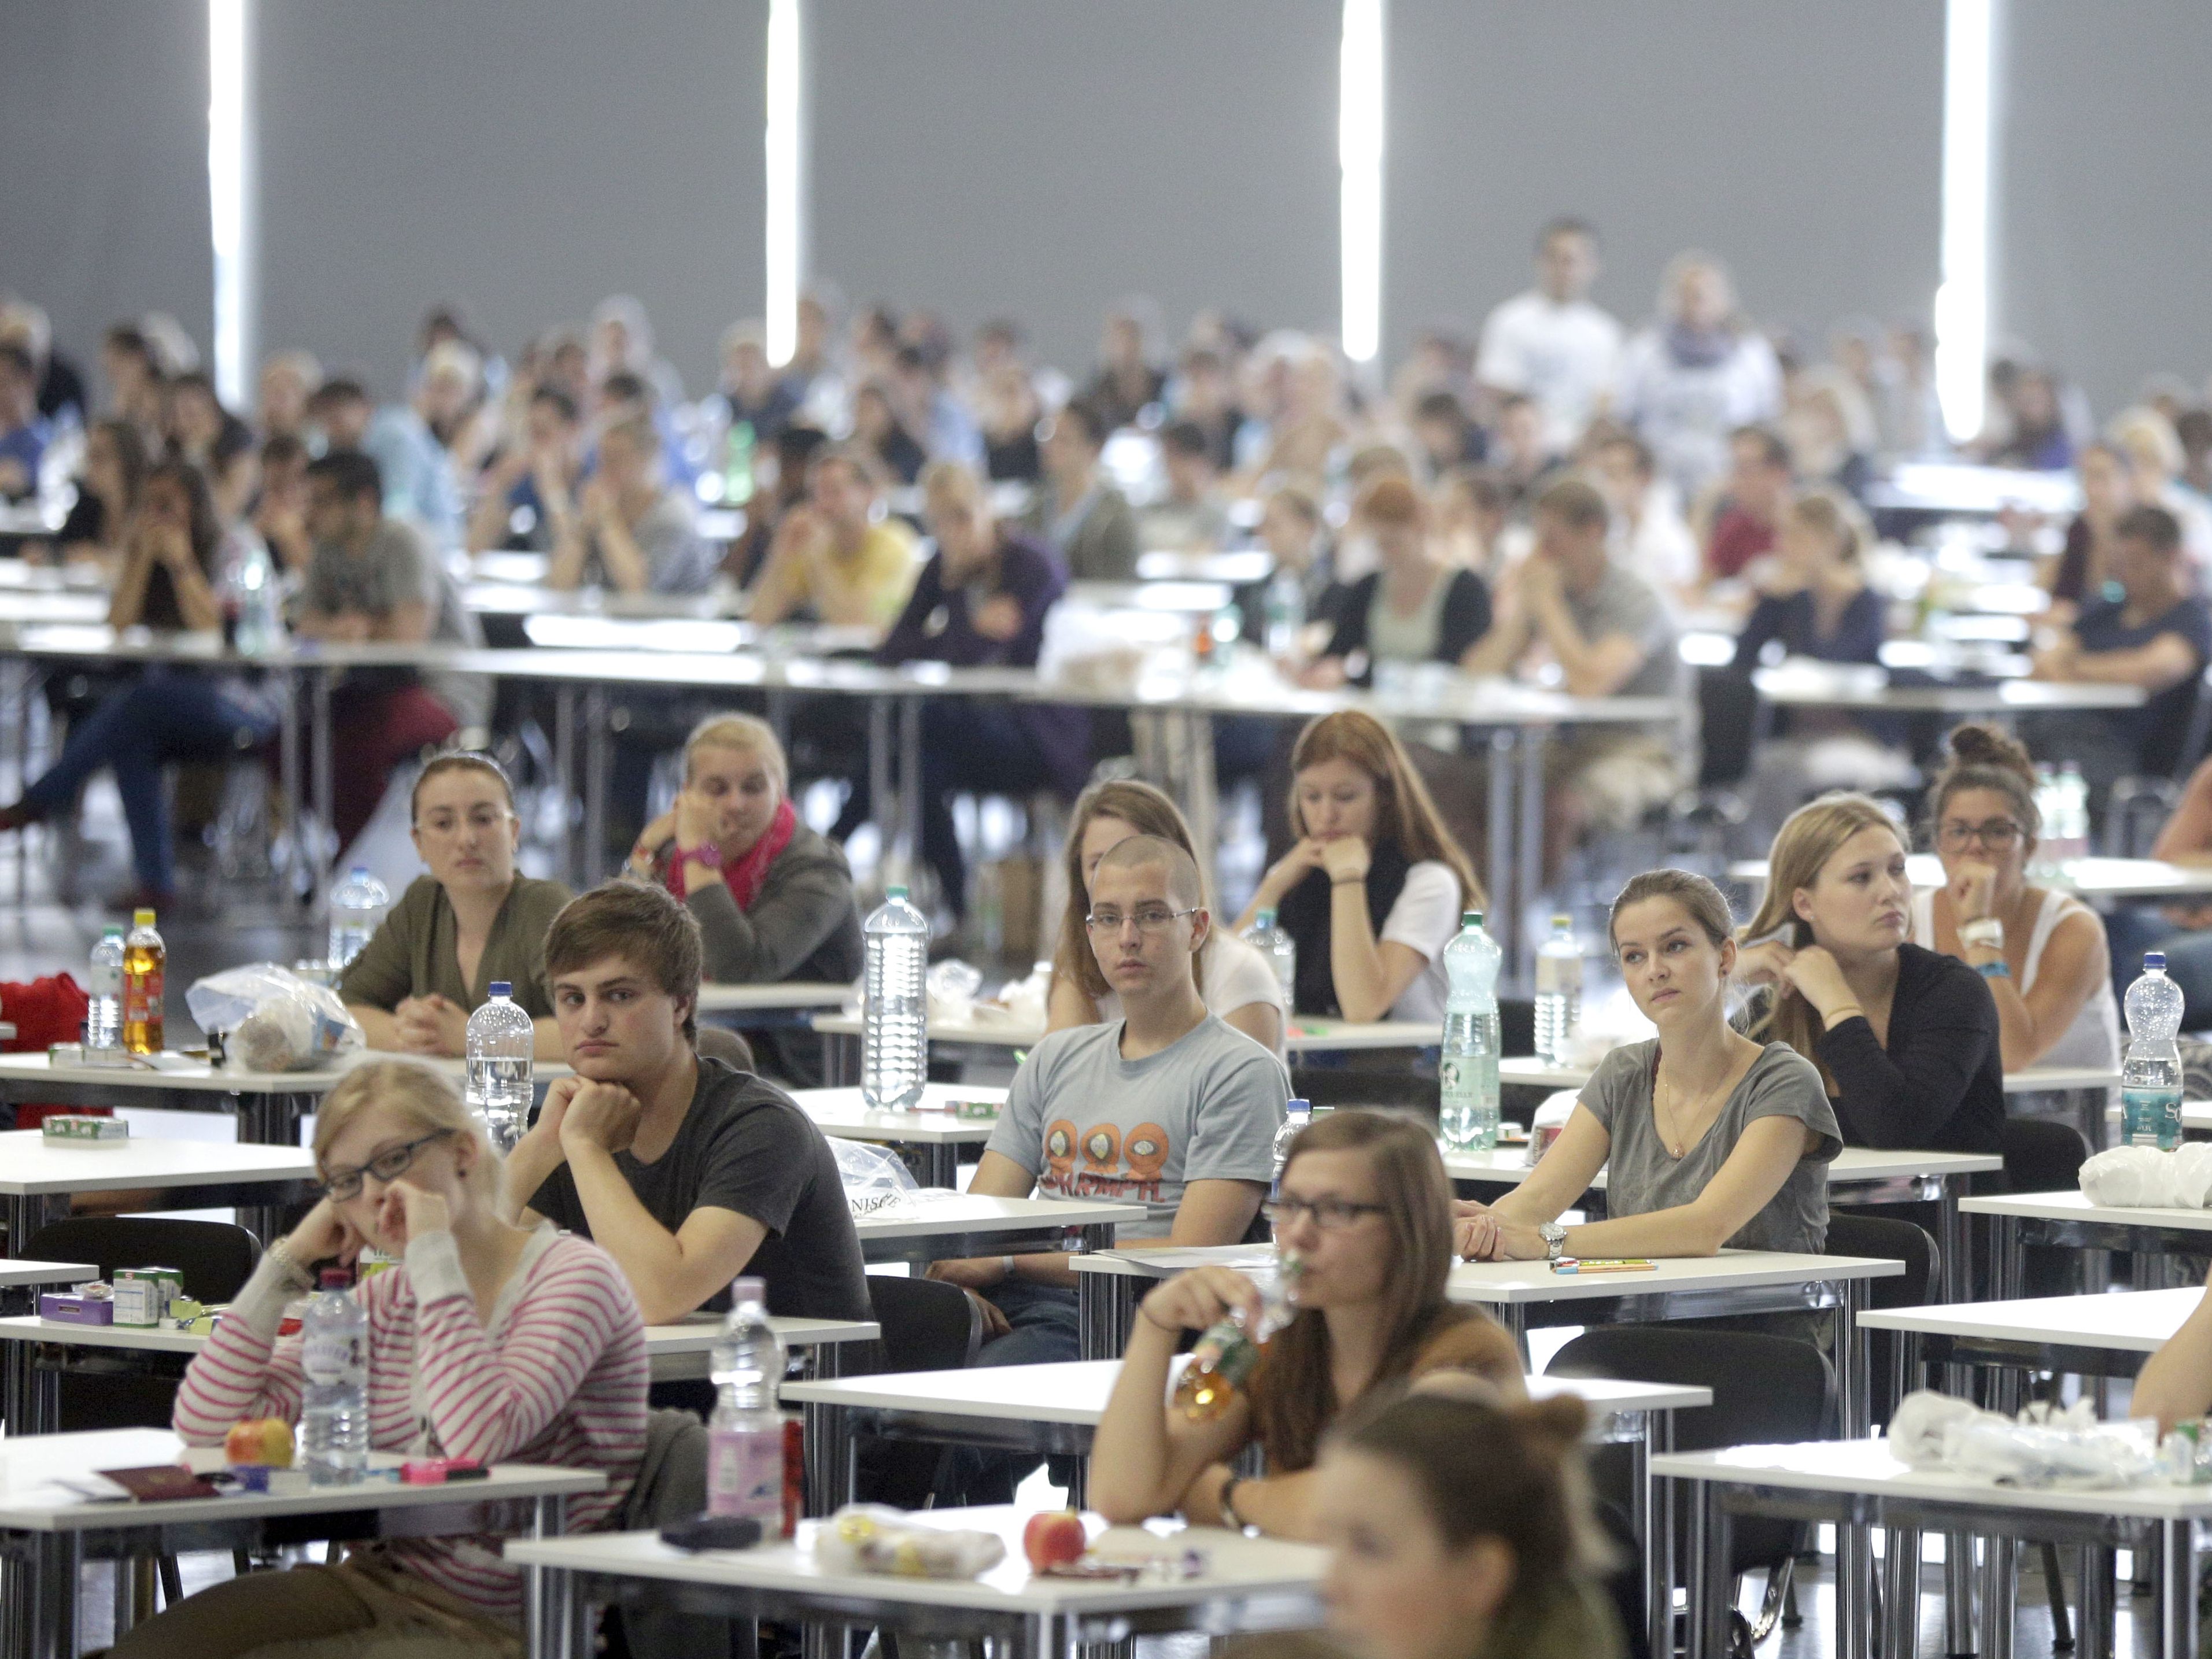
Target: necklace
[(1675, 1144)]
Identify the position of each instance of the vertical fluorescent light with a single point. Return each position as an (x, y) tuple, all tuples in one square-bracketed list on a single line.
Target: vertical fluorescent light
[(1359, 154), (230, 197), (1962, 303), (785, 168)]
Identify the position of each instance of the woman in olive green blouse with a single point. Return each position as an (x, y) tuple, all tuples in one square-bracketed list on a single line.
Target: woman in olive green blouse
[(470, 921)]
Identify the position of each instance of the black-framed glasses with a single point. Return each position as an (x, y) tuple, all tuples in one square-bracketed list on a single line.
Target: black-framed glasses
[(1998, 835), (1329, 1214), (386, 1166), (1149, 918)]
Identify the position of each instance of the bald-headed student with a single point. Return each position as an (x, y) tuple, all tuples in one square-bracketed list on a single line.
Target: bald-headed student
[(1167, 1106)]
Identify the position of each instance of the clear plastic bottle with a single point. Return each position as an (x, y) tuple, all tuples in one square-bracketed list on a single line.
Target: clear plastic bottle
[(1286, 612), (2073, 793), (103, 1019), (1228, 1353), (145, 970), (1296, 1115), (502, 1045), (2051, 810), (1467, 1114), (334, 1400), (1559, 992), (2150, 1076), (1273, 941), (895, 1014), (745, 1437), (260, 607), (357, 908)]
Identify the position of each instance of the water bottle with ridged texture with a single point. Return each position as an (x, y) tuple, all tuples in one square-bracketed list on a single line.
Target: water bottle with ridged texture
[(895, 1014)]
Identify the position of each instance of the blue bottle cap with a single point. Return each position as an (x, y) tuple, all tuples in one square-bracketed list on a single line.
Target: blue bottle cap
[(1296, 1106), (2154, 962), (503, 987)]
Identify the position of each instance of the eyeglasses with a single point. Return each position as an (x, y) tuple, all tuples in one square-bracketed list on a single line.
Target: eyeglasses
[(386, 1166), (1331, 1215), (1149, 918), (484, 820), (1996, 835)]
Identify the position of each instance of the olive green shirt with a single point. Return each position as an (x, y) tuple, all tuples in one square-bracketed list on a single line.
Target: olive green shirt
[(416, 952)]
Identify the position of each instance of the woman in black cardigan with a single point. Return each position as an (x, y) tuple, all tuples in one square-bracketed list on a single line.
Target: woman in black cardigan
[(1415, 608), (1907, 1041)]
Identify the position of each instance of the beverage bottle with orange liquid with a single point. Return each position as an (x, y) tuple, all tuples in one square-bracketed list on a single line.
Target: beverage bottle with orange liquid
[(145, 965), (1227, 1355)]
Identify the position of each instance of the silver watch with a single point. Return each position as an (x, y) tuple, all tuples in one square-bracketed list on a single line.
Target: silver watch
[(1555, 1239)]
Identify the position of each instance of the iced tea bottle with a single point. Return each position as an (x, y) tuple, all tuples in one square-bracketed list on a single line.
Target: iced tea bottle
[(145, 965)]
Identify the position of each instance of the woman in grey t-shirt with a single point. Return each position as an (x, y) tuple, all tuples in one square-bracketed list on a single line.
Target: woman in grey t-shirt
[(1709, 1139)]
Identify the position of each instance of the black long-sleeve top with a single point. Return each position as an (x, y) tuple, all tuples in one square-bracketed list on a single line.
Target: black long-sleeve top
[(1938, 1086)]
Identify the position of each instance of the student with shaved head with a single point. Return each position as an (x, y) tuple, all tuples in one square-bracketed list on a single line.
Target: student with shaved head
[(1167, 1106)]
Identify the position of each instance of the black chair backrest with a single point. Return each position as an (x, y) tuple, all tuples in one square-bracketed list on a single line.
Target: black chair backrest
[(1855, 1232), (2043, 1156), (1728, 721), (1340, 1087), (928, 1326), (214, 1257)]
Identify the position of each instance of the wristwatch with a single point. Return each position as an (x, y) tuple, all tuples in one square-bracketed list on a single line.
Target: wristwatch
[(1555, 1239), (707, 853), (1988, 932)]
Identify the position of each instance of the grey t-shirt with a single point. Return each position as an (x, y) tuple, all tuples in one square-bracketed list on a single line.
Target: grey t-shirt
[(398, 568), (677, 558), (1624, 603), (1642, 1175), (1089, 1124)]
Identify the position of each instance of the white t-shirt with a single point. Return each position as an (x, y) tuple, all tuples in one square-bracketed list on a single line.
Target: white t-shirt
[(1234, 976), (1685, 411), (1424, 918), (1567, 357)]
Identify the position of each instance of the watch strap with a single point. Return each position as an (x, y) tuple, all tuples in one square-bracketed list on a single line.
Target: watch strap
[(707, 853), (1996, 969)]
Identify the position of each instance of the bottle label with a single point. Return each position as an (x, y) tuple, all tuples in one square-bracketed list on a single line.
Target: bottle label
[(745, 1474), (1460, 1085), (142, 996), (1556, 974), (330, 1357), (2151, 1117), (1228, 1352)]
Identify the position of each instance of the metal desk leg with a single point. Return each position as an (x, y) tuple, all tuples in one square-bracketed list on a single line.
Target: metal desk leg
[(318, 692), (56, 1563), (1854, 1584), (2000, 1563), (1958, 1592), (1504, 922), (2176, 1589), (1531, 852), (940, 1164), (1106, 1304), (1514, 1315), (288, 769), (564, 778), (1711, 1585), (1958, 1280), (831, 1468), (2093, 1621), (1852, 1362), (1658, 1534), (1900, 1607), (597, 755)]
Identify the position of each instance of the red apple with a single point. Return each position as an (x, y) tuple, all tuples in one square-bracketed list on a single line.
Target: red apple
[(1053, 1539), (265, 1441)]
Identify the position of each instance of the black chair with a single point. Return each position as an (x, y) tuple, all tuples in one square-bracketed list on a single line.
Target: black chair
[(1853, 1232), (2044, 1155), (1728, 725), (1340, 1087), (927, 1326), (1767, 1390)]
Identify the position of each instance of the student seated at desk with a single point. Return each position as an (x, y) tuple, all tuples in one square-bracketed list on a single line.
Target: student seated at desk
[(501, 1343), (1459, 1527), (474, 918), (1907, 1041), (2042, 952), (2175, 1383), (627, 526), (1415, 608), (1237, 982), (1166, 1107), (1376, 886), (688, 1170), (1708, 1139), (2182, 929), (1366, 1206), (832, 556)]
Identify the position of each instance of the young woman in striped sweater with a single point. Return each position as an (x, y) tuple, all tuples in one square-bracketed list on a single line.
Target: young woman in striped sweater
[(488, 1341)]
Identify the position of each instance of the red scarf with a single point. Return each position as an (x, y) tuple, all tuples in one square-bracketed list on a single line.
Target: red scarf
[(744, 875)]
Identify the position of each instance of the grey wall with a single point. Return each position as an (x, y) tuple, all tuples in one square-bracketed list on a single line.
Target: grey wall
[(524, 156), (2104, 244), (103, 137), (1800, 141), (983, 156)]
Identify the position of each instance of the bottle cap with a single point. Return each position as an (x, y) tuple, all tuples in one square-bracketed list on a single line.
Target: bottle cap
[(1471, 919), (337, 1278), (1561, 919), (360, 872), (503, 987), (2154, 962), (114, 930), (1297, 1104), (1266, 918), (142, 918), (747, 1289), (894, 892)]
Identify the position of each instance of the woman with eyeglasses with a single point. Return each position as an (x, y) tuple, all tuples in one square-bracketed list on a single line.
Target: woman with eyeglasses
[(1365, 1209), (2043, 953), (488, 1341), (1708, 1139), (473, 920), (1906, 1041)]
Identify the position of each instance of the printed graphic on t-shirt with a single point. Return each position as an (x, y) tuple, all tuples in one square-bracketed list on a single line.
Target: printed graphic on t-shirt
[(1104, 1162)]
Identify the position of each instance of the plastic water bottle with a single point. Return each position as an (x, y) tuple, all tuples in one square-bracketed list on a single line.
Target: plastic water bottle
[(334, 1403), (895, 1014), (2150, 1076), (2050, 846), (1296, 1115), (103, 1020), (357, 908), (1273, 941), (745, 1437), (2074, 796), (1286, 612), (1466, 1113), (1559, 992), (260, 610), (502, 1043)]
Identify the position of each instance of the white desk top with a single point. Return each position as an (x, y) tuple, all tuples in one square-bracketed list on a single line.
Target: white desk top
[(1307, 1036), (2130, 1321), (1236, 1565), (2033, 1079), (30, 1501), (1511, 1283), (1866, 1467), (1805, 685), (791, 994), (2092, 877), (1076, 1391), (947, 1212), (1853, 1164), (14, 1273), (179, 1073), (31, 1164), (2076, 1206), (839, 1112)]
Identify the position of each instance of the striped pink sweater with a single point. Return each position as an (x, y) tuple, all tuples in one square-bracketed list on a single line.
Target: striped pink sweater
[(560, 1378)]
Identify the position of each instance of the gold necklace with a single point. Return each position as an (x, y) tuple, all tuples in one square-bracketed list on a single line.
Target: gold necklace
[(1674, 1145)]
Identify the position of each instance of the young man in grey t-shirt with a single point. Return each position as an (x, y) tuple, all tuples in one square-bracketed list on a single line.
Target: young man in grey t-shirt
[(1167, 1106)]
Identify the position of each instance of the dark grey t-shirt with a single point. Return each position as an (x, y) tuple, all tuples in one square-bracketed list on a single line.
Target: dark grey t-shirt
[(745, 1146), (1643, 1176)]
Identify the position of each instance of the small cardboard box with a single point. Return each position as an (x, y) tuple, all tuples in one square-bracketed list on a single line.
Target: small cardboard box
[(75, 1130), (73, 1309)]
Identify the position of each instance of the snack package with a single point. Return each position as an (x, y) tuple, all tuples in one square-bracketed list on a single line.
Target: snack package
[(274, 1020), (876, 1180), (871, 1538)]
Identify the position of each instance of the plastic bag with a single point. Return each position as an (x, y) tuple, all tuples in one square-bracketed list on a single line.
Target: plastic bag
[(2191, 1164), (870, 1538), (2131, 1177), (1021, 1001), (2045, 1447), (275, 1021), (877, 1181), (952, 985)]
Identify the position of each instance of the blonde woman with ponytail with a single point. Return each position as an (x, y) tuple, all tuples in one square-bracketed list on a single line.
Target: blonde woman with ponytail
[(1906, 1041)]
